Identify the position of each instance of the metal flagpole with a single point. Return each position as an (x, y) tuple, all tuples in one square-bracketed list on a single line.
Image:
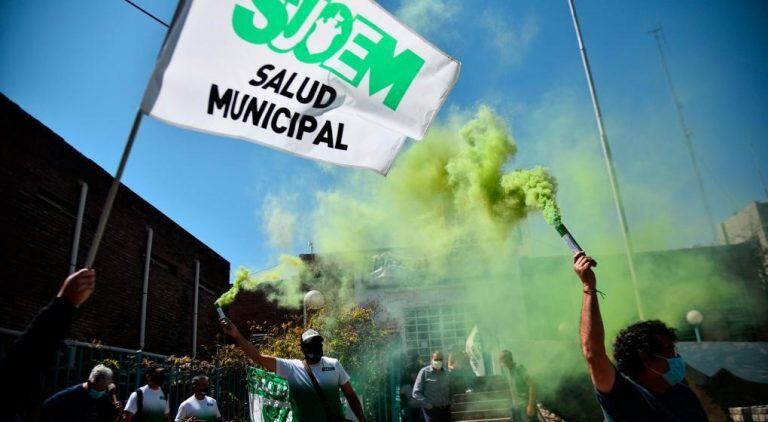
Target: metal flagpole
[(195, 315), (113, 191), (657, 34), (126, 152), (608, 163)]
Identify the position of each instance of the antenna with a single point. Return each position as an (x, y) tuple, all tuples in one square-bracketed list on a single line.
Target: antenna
[(757, 168), (658, 35)]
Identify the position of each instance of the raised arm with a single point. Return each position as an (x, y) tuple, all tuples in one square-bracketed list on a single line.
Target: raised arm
[(601, 370), (267, 362), (353, 400)]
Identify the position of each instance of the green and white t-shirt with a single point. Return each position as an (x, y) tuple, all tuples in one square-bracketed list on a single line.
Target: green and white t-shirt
[(203, 410), (305, 403), (155, 404)]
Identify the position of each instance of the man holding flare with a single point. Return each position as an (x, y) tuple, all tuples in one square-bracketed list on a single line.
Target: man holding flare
[(313, 382), (646, 384)]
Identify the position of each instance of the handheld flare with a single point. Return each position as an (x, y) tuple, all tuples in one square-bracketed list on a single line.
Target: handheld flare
[(221, 313), (567, 237)]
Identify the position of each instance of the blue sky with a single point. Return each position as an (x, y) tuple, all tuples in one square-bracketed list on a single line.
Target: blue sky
[(81, 66)]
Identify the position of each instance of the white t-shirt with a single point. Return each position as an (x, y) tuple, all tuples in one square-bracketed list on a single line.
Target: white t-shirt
[(203, 410), (155, 404), (305, 403)]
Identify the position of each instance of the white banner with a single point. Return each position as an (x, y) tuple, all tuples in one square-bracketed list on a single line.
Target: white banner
[(339, 81), (474, 350)]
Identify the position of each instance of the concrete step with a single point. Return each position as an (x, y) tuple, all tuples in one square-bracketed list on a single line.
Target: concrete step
[(491, 382), (469, 415), (482, 404)]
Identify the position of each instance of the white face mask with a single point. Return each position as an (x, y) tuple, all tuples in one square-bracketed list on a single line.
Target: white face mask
[(437, 364)]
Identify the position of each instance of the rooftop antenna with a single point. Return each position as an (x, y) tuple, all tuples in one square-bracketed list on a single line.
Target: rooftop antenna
[(757, 168), (658, 35)]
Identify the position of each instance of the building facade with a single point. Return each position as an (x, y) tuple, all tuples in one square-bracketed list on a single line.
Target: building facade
[(749, 224), (536, 304), (42, 181)]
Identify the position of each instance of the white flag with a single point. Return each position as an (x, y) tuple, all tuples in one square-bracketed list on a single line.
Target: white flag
[(474, 350), (337, 81)]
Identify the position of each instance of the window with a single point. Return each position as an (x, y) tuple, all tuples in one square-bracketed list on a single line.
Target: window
[(442, 327)]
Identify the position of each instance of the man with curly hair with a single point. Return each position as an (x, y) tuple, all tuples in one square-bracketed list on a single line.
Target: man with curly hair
[(646, 383)]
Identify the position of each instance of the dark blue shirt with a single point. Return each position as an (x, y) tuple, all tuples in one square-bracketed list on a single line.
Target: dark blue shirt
[(75, 404), (629, 401)]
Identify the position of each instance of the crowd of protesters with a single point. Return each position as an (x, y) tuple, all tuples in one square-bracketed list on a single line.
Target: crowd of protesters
[(645, 383), (94, 400)]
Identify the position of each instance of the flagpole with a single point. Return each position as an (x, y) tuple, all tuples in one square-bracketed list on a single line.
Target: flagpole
[(628, 250), (113, 191)]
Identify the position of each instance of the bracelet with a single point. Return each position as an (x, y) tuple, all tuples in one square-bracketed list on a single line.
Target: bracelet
[(595, 291)]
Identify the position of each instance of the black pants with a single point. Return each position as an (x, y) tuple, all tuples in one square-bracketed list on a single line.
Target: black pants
[(437, 414)]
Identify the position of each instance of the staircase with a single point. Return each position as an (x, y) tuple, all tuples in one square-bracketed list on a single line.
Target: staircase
[(488, 402)]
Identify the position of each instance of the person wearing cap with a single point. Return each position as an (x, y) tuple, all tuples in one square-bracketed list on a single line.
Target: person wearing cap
[(89, 401), (307, 403)]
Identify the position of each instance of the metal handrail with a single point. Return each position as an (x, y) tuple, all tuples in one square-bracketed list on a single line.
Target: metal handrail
[(70, 342)]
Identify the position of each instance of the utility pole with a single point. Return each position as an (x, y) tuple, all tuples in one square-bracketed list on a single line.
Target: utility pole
[(658, 34), (628, 250)]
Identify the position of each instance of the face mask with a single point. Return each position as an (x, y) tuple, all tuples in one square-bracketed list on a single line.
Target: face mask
[(676, 372), (203, 391), (437, 364), (158, 379), (96, 394), (314, 353)]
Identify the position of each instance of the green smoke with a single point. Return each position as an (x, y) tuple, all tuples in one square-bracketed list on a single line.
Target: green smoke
[(460, 218), (454, 188), (476, 174), (448, 191), (284, 282)]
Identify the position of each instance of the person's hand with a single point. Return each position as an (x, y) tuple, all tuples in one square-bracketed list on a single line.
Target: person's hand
[(78, 287), (428, 406), (582, 265), (229, 328), (190, 419), (529, 410)]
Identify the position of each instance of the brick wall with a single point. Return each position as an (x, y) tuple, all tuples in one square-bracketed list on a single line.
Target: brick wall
[(253, 308), (40, 178)]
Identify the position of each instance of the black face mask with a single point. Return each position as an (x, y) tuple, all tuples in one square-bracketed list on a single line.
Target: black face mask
[(158, 378), (203, 391), (313, 352)]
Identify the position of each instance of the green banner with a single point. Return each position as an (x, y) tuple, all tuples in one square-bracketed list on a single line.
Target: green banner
[(269, 396)]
